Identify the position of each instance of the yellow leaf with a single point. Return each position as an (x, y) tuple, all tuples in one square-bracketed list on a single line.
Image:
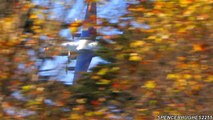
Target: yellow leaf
[(155, 113), (27, 87), (99, 113), (81, 101), (181, 30), (38, 22), (137, 9), (75, 116), (190, 27), (103, 71), (171, 76), (115, 69), (150, 84), (152, 37), (209, 79), (141, 110), (33, 16), (73, 29), (165, 36), (89, 114), (76, 109), (158, 40), (134, 57), (33, 102), (137, 44), (184, 3), (77, 23), (104, 82), (187, 76), (181, 82)]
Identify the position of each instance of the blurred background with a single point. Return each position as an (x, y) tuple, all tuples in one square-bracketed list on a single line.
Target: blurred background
[(105, 59)]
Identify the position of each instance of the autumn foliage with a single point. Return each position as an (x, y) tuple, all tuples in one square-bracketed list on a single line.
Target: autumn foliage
[(163, 65)]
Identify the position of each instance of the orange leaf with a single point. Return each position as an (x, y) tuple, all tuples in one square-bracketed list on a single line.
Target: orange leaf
[(199, 47)]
